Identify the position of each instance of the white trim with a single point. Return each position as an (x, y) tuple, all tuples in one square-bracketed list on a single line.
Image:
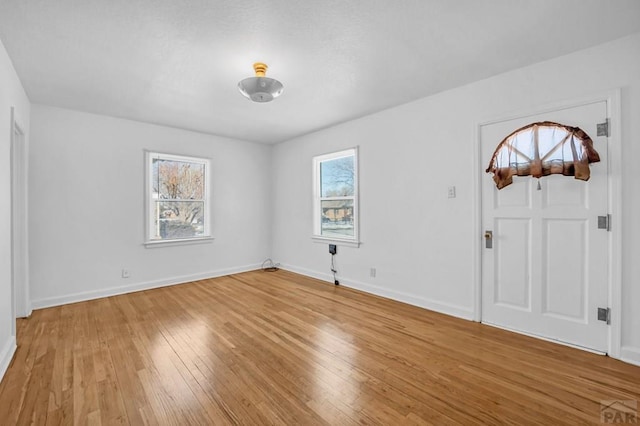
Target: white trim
[(6, 355), (549, 107), (411, 299), (546, 339), (114, 291), (612, 99), (476, 239), (21, 306), (614, 111), (630, 354), (12, 223), (336, 241), (185, 242)]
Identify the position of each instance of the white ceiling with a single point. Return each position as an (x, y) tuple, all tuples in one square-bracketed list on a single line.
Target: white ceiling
[(178, 62)]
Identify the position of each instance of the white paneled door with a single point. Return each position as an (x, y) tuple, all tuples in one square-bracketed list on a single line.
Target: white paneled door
[(547, 270)]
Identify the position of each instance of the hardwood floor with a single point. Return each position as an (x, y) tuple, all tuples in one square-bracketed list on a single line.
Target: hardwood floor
[(279, 348)]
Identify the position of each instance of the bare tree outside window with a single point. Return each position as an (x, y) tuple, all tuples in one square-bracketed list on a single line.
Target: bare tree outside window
[(337, 177), (178, 197)]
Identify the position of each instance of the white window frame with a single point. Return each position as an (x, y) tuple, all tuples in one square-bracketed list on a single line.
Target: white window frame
[(149, 201), (317, 199)]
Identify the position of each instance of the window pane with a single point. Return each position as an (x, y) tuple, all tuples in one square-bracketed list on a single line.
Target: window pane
[(179, 219), (178, 180), (337, 218), (337, 177)]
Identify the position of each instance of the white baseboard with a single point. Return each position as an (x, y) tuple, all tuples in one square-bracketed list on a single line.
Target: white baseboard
[(411, 299), (6, 355), (546, 339), (114, 291), (630, 354), (29, 311)]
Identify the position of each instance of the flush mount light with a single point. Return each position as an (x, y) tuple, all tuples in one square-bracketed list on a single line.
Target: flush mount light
[(260, 88)]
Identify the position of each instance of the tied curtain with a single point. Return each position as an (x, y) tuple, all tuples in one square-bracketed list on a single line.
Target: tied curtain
[(542, 149)]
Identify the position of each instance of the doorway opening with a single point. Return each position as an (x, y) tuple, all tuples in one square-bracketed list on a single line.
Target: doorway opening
[(19, 251)]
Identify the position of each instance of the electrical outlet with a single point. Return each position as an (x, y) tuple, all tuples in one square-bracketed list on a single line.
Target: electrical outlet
[(125, 273), (372, 272), (451, 192), (333, 249)]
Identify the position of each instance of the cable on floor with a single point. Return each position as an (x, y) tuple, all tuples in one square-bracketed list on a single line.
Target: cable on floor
[(269, 266)]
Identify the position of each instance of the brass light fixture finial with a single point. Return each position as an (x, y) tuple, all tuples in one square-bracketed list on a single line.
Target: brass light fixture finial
[(260, 68)]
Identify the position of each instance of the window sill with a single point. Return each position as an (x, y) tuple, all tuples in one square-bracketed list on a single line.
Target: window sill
[(336, 241), (172, 243)]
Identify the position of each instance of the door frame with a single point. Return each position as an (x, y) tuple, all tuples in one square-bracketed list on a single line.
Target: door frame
[(19, 220), (614, 203)]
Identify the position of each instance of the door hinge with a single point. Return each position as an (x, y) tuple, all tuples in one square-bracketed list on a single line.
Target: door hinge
[(604, 222), (604, 314), (603, 128)]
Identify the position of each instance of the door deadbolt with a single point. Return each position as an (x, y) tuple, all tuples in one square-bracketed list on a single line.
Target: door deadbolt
[(488, 239)]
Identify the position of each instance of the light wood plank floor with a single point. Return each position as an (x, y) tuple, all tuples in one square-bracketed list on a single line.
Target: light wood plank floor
[(279, 348)]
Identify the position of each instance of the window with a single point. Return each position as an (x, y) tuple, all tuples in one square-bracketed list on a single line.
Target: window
[(542, 149), (177, 198), (336, 196)]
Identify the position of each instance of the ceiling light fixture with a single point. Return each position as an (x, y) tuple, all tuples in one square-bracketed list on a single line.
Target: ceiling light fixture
[(260, 88)]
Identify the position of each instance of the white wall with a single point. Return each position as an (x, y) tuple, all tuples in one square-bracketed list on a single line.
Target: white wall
[(86, 193), (86, 201), (419, 240), (11, 95)]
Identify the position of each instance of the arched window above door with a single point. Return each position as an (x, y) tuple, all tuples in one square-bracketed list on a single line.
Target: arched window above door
[(542, 149)]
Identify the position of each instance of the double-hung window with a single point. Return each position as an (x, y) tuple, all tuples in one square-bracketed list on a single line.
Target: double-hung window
[(336, 197), (178, 205)]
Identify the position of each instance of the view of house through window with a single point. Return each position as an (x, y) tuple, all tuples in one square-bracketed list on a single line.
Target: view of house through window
[(336, 195), (178, 197)]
